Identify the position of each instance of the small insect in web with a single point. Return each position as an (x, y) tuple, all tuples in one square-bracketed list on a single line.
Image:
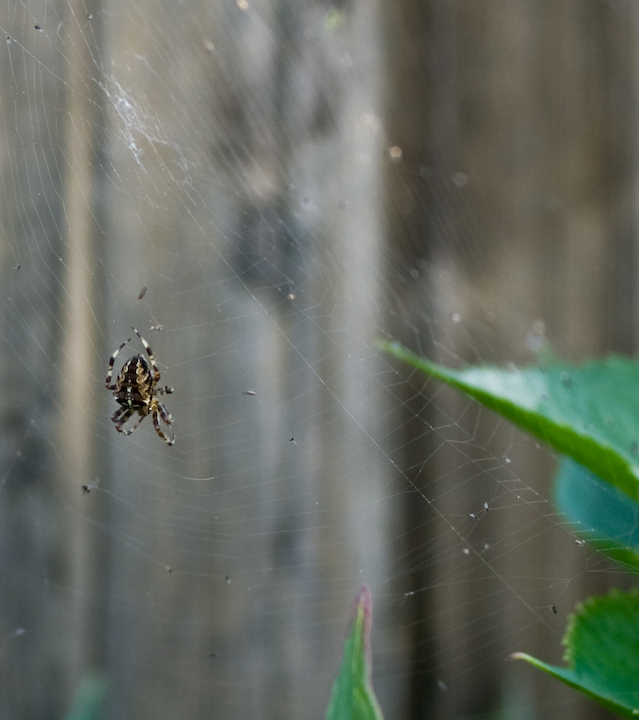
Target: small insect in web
[(86, 489), (136, 390)]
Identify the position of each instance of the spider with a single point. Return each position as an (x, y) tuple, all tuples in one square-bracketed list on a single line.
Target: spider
[(136, 391)]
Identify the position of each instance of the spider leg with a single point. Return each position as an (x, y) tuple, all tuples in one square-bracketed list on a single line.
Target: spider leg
[(159, 410), (111, 362), (164, 413), (120, 416), (131, 429), (147, 347)]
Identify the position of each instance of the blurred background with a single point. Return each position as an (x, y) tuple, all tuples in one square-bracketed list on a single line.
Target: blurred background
[(264, 188)]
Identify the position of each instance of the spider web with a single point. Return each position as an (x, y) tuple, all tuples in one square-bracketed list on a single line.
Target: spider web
[(225, 180)]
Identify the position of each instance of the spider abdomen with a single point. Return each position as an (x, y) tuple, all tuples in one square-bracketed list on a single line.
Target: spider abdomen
[(134, 384)]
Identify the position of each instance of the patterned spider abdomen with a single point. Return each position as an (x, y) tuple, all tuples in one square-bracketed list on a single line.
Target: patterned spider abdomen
[(134, 384)]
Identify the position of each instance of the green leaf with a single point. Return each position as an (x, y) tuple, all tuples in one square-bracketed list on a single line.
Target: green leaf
[(352, 697), (605, 517), (602, 652), (589, 412)]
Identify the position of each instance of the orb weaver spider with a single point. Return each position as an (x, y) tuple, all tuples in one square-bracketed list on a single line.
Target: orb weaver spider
[(136, 391)]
